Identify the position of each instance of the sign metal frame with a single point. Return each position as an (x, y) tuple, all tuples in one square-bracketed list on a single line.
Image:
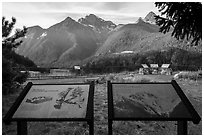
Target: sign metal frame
[(181, 122), (22, 122)]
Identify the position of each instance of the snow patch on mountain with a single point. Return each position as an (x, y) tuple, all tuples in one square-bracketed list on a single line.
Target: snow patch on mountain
[(44, 34)]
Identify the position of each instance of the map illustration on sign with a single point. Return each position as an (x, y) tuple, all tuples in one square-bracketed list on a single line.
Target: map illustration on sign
[(74, 98), (54, 101), (37, 100), (147, 100)]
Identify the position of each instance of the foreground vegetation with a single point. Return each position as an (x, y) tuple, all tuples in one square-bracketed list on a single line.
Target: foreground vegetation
[(12, 63)]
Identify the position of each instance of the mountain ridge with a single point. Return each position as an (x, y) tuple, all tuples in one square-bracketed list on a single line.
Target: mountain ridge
[(70, 42), (61, 44)]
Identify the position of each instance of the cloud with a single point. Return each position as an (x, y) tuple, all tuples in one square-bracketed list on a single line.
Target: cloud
[(114, 6), (47, 14)]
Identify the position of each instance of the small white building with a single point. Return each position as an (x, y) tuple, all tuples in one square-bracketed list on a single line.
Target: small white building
[(34, 74), (77, 67), (144, 70), (165, 70), (154, 68)]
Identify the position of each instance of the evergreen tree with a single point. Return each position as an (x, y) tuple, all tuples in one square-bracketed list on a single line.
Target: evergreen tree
[(184, 17), (12, 62)]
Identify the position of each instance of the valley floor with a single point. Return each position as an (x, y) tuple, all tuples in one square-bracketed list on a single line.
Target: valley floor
[(192, 89)]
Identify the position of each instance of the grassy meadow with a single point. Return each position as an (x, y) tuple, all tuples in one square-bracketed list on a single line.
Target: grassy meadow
[(192, 89)]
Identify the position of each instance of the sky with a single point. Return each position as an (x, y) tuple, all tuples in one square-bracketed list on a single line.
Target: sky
[(46, 14)]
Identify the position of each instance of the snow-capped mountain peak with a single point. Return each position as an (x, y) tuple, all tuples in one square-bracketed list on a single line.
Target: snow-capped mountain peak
[(97, 23)]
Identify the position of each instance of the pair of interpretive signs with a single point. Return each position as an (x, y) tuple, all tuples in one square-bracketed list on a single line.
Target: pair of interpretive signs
[(126, 101)]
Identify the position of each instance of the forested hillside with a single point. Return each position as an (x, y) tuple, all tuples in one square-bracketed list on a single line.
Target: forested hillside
[(180, 59)]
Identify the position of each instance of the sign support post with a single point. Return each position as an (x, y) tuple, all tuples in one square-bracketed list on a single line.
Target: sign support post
[(110, 122), (110, 105), (182, 127), (21, 128), (91, 127)]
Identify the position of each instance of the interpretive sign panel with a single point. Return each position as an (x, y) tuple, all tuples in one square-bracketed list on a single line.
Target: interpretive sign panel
[(53, 102), (163, 101)]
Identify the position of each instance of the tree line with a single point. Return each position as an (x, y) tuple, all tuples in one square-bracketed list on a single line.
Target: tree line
[(179, 59)]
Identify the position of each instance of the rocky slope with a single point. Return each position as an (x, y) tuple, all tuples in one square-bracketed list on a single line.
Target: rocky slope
[(150, 18), (100, 27), (63, 44)]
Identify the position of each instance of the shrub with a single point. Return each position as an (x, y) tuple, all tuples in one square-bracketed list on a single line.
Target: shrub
[(189, 75), (110, 77), (143, 80)]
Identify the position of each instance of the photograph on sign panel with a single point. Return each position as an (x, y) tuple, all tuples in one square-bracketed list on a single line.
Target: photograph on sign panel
[(147, 100), (54, 101)]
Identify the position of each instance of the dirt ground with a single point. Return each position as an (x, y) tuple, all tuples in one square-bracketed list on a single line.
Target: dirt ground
[(192, 89)]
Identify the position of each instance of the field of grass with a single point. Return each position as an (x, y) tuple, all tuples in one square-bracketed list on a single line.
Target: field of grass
[(192, 89)]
